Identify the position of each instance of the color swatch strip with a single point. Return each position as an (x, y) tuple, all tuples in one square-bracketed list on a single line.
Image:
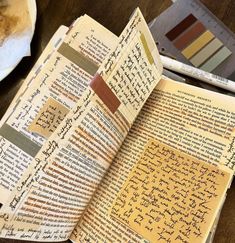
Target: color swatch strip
[(206, 52), (215, 60), (181, 27), (189, 35), (198, 44)]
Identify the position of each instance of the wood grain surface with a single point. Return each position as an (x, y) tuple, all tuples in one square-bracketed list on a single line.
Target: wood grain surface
[(113, 15)]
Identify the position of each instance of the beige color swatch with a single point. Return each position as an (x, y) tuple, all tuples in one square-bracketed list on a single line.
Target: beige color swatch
[(218, 58), (206, 52)]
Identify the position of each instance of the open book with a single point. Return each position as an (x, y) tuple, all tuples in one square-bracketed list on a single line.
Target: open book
[(98, 146)]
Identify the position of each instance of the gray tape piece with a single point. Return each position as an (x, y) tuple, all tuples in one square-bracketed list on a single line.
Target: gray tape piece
[(79, 59), (19, 140)]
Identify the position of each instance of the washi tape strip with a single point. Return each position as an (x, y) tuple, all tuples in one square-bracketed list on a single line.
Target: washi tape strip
[(181, 27), (103, 91), (146, 49), (19, 140), (79, 59)]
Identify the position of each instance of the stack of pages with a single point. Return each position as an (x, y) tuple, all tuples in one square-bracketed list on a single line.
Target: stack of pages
[(99, 146)]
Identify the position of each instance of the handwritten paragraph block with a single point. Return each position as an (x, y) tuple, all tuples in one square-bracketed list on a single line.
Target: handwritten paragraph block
[(170, 196), (49, 117)]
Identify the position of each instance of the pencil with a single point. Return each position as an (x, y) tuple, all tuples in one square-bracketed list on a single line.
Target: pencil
[(199, 74)]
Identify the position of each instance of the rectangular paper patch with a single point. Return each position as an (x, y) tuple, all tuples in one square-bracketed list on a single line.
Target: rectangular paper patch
[(170, 196), (48, 118)]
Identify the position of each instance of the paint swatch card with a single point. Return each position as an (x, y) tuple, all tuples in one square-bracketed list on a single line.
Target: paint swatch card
[(189, 32)]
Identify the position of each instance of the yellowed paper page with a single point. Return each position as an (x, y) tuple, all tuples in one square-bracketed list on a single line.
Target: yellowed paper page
[(69, 167), (63, 77), (136, 24), (199, 122), (52, 45), (170, 196)]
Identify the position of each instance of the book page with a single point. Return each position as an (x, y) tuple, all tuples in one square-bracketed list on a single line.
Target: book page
[(170, 196), (65, 173), (52, 45), (48, 97), (161, 118), (200, 123)]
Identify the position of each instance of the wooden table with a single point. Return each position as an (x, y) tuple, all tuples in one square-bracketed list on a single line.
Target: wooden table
[(113, 15)]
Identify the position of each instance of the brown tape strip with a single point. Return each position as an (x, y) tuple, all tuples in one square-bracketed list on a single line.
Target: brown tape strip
[(105, 93), (189, 35), (181, 27)]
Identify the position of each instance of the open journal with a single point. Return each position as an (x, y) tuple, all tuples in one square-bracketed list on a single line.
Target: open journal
[(99, 146)]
